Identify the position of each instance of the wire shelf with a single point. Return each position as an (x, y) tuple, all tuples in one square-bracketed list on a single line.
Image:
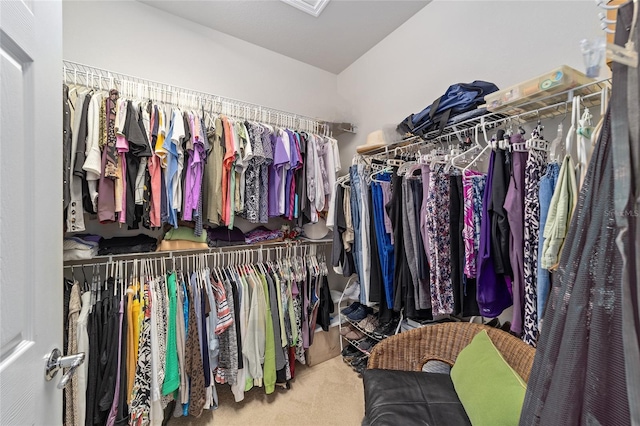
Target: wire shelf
[(543, 108), (101, 79)]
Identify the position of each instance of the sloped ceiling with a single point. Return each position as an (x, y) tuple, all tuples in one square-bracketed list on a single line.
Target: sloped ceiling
[(343, 32)]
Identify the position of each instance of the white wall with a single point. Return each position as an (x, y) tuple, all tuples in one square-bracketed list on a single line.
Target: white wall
[(447, 42), (137, 39)]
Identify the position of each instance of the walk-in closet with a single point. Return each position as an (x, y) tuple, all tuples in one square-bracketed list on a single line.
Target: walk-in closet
[(319, 212)]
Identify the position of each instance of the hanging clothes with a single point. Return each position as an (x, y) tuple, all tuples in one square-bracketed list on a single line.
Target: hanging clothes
[(72, 390), (438, 226), (493, 293), (535, 169), (579, 350), (514, 207), (547, 188)]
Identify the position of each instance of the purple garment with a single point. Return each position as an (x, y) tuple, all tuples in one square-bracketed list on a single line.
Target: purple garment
[(424, 208), (514, 206), (89, 237), (187, 210), (306, 337), (280, 158), (111, 420), (262, 234), (473, 187), (492, 293), (293, 162), (193, 180), (293, 211)]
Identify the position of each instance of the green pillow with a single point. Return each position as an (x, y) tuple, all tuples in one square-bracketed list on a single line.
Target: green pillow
[(186, 234), (491, 392)]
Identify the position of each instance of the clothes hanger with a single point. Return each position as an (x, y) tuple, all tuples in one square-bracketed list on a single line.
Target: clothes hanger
[(481, 153), (462, 155), (575, 111)]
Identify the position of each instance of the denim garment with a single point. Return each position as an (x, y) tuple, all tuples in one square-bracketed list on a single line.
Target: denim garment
[(365, 247), (356, 193), (547, 187), (385, 248)]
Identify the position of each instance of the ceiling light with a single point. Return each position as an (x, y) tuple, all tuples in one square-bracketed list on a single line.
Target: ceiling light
[(312, 7)]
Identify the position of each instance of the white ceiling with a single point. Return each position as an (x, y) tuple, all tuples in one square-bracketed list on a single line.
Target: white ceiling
[(341, 34)]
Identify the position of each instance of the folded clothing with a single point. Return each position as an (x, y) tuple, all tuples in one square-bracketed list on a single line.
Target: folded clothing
[(174, 245), (88, 237), (123, 245), (223, 233), (184, 234), (221, 243), (78, 248), (77, 243), (263, 234)]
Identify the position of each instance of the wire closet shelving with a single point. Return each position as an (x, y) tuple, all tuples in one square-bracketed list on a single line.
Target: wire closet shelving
[(131, 86), (548, 107)]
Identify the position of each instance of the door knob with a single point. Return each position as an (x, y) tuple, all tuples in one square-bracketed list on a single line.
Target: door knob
[(56, 361)]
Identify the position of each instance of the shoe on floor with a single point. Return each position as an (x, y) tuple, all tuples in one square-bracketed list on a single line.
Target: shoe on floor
[(367, 322), (350, 351), (493, 323), (346, 328), (360, 368), (371, 325), (386, 329), (364, 359), (367, 345), (352, 307), (354, 335), (360, 313)]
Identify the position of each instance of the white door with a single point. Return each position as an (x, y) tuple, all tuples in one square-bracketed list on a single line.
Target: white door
[(30, 209)]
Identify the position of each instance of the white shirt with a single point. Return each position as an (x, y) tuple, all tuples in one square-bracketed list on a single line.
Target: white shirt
[(332, 162), (93, 162), (176, 138)]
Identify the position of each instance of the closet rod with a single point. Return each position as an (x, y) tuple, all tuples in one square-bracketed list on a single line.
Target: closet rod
[(550, 106), (99, 78), (102, 260)]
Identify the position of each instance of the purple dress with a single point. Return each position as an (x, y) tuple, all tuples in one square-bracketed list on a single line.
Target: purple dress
[(492, 293)]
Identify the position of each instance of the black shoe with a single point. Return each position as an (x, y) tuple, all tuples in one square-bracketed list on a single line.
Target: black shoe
[(352, 307), (360, 370), (350, 351), (363, 360), (386, 329), (493, 323), (367, 345)]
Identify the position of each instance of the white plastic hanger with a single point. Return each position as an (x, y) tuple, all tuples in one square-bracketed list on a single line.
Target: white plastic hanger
[(627, 54), (575, 116), (556, 150), (485, 149)]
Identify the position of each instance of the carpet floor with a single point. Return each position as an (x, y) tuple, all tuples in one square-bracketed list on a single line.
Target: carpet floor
[(329, 393)]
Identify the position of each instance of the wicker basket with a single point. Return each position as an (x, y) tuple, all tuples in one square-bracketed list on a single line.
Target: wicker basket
[(409, 351)]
